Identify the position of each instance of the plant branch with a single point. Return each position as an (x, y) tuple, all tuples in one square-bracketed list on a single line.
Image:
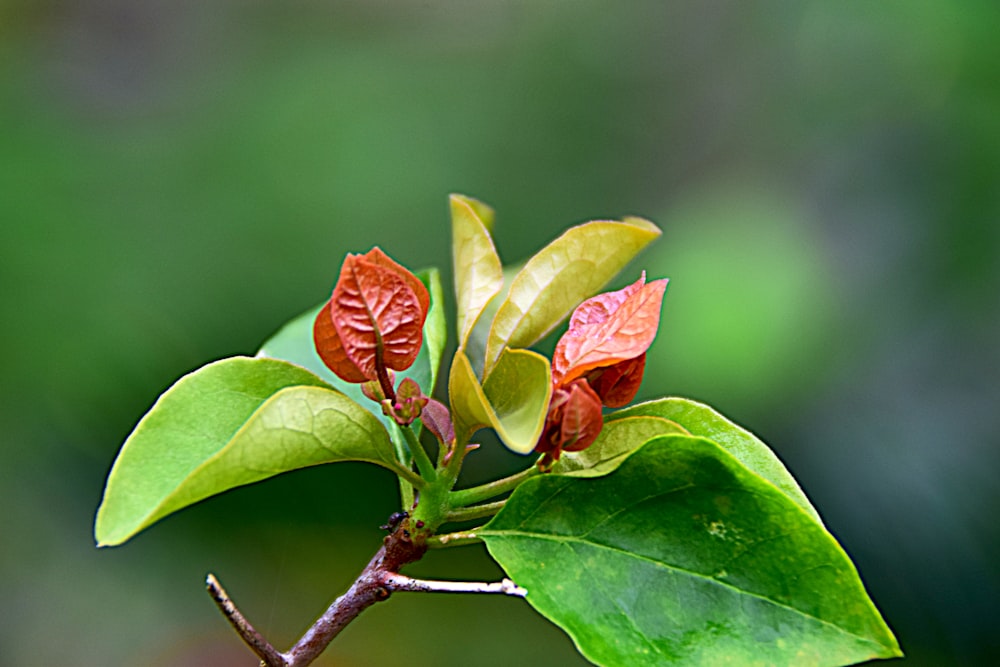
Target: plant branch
[(474, 512), (400, 582), (267, 653), (477, 494)]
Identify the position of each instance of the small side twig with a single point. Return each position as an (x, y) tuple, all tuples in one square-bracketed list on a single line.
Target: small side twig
[(400, 582), (267, 653)]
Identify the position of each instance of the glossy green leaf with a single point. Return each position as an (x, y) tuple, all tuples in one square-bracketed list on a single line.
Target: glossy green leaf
[(230, 423), (294, 343), (564, 273), (478, 272), (700, 419), (683, 556), (513, 401), (617, 440)]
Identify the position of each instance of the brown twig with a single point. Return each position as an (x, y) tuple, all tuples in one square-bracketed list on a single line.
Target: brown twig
[(376, 583), (267, 653)]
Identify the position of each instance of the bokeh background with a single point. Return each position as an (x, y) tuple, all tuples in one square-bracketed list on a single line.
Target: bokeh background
[(178, 179)]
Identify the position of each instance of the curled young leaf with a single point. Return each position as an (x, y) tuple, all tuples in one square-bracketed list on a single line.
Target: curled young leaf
[(608, 329), (436, 419), (375, 317), (573, 421)]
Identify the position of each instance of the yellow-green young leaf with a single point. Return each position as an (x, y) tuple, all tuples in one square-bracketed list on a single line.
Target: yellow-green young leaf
[(682, 556), (230, 423), (513, 401), (435, 327), (699, 419), (469, 407), (478, 272), (617, 440), (564, 273)]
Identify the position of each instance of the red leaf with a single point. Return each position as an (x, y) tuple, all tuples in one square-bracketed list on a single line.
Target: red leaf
[(617, 385), (377, 312), (331, 350), (608, 329)]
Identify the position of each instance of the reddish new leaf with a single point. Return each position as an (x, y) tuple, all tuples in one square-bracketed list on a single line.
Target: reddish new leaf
[(608, 329), (331, 350), (375, 316), (617, 385), (573, 422), (437, 420)]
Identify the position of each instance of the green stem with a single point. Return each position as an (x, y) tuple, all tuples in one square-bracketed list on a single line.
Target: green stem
[(477, 494), (420, 457), (474, 512), (405, 494), (409, 478), (459, 539)]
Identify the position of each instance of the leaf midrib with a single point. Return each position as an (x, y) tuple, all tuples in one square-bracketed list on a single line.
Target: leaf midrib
[(563, 539)]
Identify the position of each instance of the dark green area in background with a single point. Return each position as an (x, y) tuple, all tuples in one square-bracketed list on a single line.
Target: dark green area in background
[(177, 180)]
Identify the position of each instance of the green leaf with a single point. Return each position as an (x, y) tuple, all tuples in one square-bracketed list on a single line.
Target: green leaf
[(513, 401), (699, 419), (230, 423), (294, 343), (683, 556), (617, 440), (478, 272), (435, 327), (564, 273)]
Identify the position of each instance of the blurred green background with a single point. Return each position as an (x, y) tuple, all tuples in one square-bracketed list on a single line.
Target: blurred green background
[(178, 179)]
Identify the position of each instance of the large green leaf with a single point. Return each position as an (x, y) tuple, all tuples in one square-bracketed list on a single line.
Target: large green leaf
[(294, 343), (617, 440), (683, 556), (513, 401), (230, 423), (478, 272), (700, 419), (564, 273)]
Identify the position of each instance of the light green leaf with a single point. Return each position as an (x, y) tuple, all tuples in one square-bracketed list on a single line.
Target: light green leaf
[(513, 401), (478, 272), (617, 440), (230, 423), (700, 419), (564, 273), (682, 556)]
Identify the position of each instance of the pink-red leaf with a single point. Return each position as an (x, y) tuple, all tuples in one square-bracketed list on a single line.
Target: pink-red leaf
[(573, 422), (608, 329), (377, 314)]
